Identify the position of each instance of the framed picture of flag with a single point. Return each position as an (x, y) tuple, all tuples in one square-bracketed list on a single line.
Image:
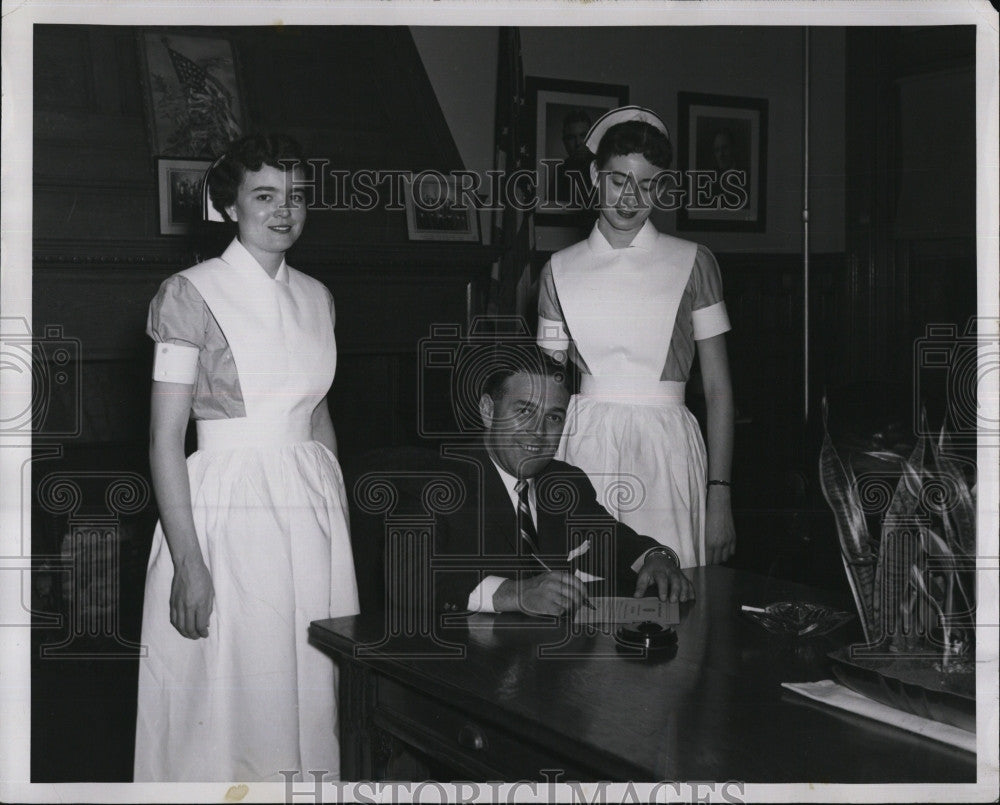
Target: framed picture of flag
[(194, 107)]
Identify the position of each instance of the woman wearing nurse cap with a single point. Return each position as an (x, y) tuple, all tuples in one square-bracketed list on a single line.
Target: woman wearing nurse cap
[(631, 306), (253, 541)]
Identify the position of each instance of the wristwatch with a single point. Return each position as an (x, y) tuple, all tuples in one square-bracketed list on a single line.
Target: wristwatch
[(663, 550)]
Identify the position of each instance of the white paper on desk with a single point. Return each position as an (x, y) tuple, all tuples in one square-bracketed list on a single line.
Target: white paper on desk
[(829, 692), (629, 610)]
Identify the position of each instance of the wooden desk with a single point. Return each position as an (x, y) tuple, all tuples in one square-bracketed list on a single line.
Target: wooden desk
[(506, 707)]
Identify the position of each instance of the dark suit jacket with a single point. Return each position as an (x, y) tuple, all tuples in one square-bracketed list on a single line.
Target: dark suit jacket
[(460, 509)]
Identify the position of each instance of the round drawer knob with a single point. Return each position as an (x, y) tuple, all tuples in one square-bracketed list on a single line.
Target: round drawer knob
[(471, 737)]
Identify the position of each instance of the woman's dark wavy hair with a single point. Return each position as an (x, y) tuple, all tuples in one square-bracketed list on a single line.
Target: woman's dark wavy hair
[(635, 137), (249, 153)]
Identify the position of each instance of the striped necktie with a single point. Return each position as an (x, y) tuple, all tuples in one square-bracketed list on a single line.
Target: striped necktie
[(525, 525)]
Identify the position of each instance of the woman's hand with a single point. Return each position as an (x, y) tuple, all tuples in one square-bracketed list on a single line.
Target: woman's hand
[(720, 533), (191, 598), (191, 593)]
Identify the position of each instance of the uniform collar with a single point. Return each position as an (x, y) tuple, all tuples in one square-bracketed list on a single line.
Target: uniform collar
[(644, 239), (236, 255)]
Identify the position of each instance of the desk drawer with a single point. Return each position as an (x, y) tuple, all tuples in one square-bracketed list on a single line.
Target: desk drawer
[(477, 749)]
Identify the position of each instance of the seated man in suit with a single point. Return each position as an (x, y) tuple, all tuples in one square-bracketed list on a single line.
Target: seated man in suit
[(530, 530)]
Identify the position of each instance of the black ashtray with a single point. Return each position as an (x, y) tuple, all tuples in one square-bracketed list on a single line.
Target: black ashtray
[(649, 636)]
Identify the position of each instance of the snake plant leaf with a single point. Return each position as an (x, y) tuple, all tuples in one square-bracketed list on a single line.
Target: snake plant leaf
[(959, 602), (906, 499), (891, 583), (960, 517), (935, 541), (841, 493), (921, 587), (884, 455), (840, 490)]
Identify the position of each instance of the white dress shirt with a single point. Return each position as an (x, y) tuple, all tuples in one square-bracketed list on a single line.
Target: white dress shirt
[(481, 598)]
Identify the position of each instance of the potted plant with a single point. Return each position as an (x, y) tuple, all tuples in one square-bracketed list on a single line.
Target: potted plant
[(905, 520)]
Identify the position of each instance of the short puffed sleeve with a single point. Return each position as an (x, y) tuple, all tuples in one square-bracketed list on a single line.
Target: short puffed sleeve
[(708, 315), (552, 333), (177, 322), (333, 307)]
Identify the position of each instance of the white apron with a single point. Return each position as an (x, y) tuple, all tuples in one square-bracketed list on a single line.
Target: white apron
[(628, 430), (269, 505)]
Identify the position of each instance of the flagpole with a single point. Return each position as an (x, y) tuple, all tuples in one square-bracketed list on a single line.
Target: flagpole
[(805, 231), (513, 234)]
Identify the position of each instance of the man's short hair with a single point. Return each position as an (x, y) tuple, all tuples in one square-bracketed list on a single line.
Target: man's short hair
[(507, 360)]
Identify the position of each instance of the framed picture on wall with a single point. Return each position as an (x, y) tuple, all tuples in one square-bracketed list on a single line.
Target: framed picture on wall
[(561, 113), (180, 183), (190, 83), (434, 210), (722, 152)]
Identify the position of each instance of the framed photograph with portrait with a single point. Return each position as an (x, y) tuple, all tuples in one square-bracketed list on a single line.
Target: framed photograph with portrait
[(434, 210), (180, 183), (561, 113), (190, 83), (722, 152)]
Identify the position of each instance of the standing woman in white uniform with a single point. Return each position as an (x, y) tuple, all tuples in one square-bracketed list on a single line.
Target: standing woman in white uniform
[(630, 305), (253, 538)]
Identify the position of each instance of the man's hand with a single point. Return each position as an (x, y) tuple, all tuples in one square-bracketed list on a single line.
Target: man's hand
[(545, 594), (720, 534), (670, 583)]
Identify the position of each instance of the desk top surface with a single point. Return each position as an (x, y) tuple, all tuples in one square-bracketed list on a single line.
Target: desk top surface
[(716, 710)]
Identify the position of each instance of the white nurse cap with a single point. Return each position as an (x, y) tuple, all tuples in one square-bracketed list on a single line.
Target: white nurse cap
[(622, 114), (208, 211)]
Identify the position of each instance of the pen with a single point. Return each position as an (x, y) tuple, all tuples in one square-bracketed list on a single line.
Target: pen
[(586, 601)]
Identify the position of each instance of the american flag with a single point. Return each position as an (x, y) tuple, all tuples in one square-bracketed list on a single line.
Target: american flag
[(209, 102), (512, 229)]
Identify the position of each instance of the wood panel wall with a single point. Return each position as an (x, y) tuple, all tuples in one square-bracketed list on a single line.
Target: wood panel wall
[(910, 215)]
